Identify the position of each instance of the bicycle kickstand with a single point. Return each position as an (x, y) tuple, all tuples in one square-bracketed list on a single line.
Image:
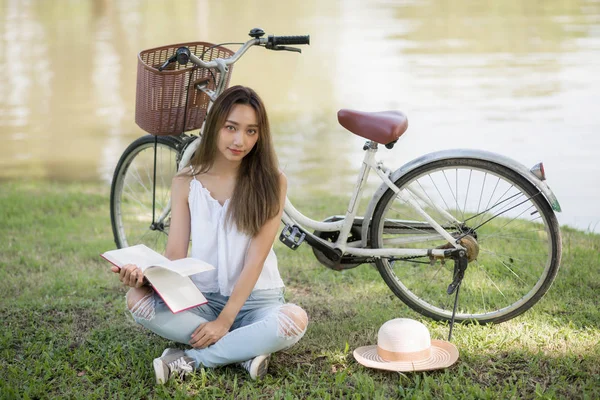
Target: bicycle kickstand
[(460, 266)]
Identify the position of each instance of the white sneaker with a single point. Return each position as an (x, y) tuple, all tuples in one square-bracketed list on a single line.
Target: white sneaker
[(257, 366), (172, 361)]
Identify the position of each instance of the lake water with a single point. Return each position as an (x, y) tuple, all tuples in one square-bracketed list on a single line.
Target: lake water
[(520, 78)]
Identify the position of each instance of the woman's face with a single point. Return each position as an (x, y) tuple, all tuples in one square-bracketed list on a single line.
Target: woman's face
[(239, 134)]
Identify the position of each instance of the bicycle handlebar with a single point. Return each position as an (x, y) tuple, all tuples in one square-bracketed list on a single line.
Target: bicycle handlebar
[(283, 40), (183, 54), (271, 42)]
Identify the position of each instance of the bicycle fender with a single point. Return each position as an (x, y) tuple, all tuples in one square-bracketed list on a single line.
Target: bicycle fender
[(457, 153)]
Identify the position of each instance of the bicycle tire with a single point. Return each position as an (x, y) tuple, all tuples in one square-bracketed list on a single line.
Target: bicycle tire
[(516, 234), (134, 213)]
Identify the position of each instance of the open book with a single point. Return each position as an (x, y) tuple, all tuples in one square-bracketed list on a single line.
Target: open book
[(170, 279)]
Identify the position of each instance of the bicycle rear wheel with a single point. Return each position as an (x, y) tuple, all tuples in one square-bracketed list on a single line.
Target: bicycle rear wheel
[(139, 203), (507, 220)]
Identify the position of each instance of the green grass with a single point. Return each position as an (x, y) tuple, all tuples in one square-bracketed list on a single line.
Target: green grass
[(65, 332)]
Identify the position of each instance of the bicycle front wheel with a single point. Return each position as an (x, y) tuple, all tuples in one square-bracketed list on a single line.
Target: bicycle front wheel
[(140, 196), (506, 224)]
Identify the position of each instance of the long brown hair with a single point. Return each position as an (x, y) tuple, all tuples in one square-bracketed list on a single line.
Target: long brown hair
[(255, 198)]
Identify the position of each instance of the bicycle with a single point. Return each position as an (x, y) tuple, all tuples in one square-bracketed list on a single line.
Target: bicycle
[(447, 220)]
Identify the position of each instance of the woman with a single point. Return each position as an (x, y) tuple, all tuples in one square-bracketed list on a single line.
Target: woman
[(230, 201)]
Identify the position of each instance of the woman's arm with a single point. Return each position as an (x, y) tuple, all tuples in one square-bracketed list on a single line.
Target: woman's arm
[(179, 231), (210, 332), (255, 259)]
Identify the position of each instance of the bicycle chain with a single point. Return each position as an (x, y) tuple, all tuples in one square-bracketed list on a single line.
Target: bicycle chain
[(404, 258)]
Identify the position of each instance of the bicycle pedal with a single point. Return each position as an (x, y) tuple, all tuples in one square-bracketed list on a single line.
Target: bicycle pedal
[(292, 236)]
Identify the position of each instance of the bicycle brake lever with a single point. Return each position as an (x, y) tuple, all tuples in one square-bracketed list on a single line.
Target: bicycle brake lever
[(169, 61), (287, 48)]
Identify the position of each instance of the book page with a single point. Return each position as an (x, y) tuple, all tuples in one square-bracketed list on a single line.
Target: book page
[(187, 266), (144, 258), (139, 255), (178, 292)]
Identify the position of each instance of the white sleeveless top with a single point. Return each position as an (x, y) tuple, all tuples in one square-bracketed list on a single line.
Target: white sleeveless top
[(222, 245)]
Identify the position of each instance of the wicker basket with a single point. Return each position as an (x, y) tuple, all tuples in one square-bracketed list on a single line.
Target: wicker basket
[(162, 97)]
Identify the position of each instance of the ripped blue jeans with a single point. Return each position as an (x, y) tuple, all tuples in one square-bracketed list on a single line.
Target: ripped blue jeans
[(264, 325)]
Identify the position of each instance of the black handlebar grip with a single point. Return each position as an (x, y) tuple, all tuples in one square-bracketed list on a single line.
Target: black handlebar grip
[(284, 40)]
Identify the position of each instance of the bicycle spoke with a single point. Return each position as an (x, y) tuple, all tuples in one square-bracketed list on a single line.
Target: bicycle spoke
[(440, 193), (499, 214), (490, 279), (499, 256), (462, 214), (451, 192), (432, 203), (131, 190), (434, 276), (501, 259), (497, 236), (139, 178), (442, 216), (487, 207), (492, 207), (467, 193), (134, 198), (481, 193), (522, 212), (483, 302)]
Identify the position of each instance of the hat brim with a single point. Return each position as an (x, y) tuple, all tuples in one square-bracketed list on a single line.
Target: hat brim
[(443, 355)]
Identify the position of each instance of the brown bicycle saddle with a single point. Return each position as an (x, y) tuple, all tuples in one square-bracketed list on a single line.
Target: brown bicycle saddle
[(382, 127)]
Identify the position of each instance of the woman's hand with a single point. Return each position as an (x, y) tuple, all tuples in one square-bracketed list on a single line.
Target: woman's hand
[(209, 333), (130, 275)]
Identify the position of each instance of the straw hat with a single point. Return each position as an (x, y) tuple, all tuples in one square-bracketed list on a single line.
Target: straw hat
[(405, 345)]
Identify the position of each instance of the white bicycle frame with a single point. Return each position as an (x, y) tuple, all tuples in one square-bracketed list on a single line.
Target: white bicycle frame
[(291, 216)]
